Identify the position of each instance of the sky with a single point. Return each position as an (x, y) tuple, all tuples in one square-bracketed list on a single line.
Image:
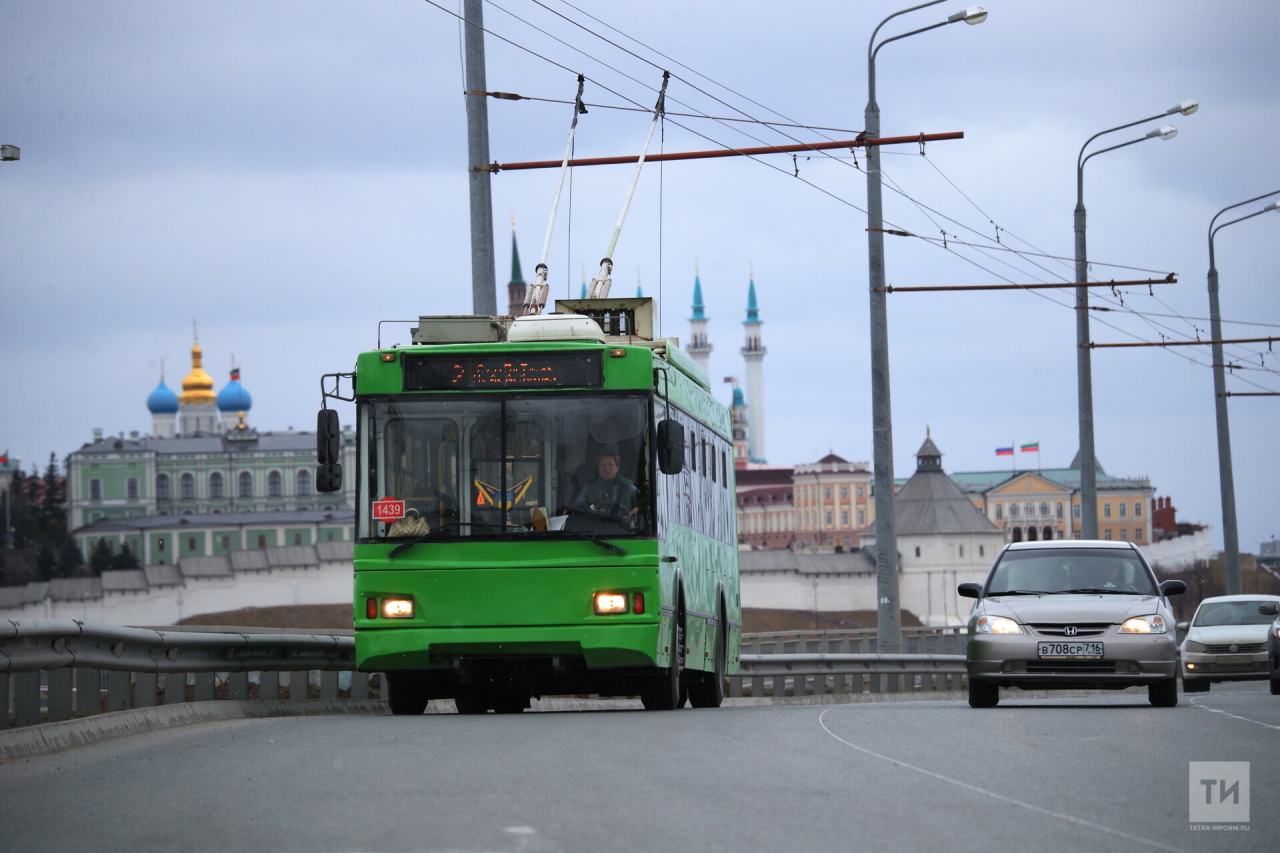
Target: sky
[(288, 174)]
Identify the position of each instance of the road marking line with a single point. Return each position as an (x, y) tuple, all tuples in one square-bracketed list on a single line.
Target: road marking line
[(1229, 714), (1001, 797)]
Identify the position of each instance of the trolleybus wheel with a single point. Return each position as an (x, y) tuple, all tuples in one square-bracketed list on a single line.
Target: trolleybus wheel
[(668, 691), (406, 694), (707, 691), (471, 702)]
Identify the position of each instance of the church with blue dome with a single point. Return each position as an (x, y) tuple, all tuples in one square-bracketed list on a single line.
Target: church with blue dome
[(202, 458)]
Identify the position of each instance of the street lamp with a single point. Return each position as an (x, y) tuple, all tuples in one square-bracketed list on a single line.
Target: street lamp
[(889, 618), (1084, 368), (1230, 538)]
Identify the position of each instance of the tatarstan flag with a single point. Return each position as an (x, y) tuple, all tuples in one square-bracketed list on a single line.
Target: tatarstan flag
[(1034, 447)]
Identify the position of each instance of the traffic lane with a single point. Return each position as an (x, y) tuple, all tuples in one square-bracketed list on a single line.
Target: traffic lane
[(746, 778), (743, 778), (1249, 700), (1088, 773)]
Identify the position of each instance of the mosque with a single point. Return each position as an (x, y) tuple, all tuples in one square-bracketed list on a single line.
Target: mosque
[(202, 457)]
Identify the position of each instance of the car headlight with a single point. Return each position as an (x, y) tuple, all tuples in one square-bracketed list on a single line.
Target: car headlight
[(996, 625), (1144, 625), (1192, 646)]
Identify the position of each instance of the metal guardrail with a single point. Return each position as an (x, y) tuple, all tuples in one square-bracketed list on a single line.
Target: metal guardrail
[(52, 644), (53, 669)]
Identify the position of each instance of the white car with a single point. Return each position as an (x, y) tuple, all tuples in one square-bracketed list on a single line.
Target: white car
[(1226, 641)]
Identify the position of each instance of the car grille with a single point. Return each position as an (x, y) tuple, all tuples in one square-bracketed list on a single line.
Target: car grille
[(1240, 649), (1058, 629), (1071, 666)]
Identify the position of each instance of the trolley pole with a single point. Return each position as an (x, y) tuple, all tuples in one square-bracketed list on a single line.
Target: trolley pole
[(484, 299)]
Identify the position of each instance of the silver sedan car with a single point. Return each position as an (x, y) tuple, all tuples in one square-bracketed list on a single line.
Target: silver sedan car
[(1071, 614), (1227, 641)]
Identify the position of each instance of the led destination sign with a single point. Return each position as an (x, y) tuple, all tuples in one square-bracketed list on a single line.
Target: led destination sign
[(479, 371)]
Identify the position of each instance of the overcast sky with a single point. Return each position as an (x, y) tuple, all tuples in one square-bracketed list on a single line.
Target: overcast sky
[(290, 173)]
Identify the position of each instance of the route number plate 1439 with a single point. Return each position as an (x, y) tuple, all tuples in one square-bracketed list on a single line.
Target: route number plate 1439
[(1069, 650)]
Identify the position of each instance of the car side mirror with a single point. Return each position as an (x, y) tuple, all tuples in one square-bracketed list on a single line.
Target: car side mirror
[(1173, 587), (1183, 626), (1269, 608), (670, 446), (328, 435), (329, 478), (970, 590)]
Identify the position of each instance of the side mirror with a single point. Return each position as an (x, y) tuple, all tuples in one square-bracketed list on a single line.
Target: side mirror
[(1269, 608), (970, 590), (670, 446), (329, 478), (328, 434), (1183, 626), (1173, 587)]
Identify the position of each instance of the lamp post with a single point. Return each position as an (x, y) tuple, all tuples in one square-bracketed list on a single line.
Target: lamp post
[(1084, 368), (1226, 479), (889, 618)]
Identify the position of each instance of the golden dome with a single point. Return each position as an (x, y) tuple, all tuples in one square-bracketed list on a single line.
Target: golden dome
[(198, 386)]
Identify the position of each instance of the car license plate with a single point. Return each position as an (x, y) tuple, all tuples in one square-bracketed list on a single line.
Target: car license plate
[(1228, 660), (1070, 650)]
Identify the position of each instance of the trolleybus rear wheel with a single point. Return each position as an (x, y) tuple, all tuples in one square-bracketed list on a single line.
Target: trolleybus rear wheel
[(707, 691)]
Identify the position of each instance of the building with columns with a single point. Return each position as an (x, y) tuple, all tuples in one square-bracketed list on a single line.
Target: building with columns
[(216, 463)]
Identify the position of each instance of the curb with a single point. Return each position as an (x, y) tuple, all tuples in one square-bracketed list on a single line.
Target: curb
[(53, 737)]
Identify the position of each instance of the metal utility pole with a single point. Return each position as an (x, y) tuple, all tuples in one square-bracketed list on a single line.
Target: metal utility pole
[(1084, 366), (888, 612), (1230, 536), (484, 298)]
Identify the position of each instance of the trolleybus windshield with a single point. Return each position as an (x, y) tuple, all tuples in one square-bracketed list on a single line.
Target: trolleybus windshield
[(506, 465)]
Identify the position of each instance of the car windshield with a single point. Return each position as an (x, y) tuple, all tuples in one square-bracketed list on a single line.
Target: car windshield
[(507, 465), (1232, 613), (1060, 570)]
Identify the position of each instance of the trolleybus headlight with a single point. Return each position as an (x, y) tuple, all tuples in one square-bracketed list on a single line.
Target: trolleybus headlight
[(397, 608), (608, 603)]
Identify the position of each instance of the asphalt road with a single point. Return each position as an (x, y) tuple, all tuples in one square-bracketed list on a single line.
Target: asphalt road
[(1107, 773)]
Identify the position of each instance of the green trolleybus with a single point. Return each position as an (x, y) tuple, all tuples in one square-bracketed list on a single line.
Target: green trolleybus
[(545, 506)]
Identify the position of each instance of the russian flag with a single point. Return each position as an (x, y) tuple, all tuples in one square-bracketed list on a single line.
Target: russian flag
[(1004, 451)]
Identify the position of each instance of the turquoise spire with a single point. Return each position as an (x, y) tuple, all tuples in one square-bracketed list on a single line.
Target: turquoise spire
[(584, 291), (698, 313), (639, 292), (753, 310)]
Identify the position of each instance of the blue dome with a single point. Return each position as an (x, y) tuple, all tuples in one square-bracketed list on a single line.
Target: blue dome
[(738, 399), (233, 397), (162, 401)]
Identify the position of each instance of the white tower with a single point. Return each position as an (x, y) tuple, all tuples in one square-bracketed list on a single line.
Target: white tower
[(753, 352), (699, 347)]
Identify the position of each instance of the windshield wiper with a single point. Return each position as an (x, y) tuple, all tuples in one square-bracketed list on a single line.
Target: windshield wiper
[(603, 544), (1097, 590), (1017, 592)]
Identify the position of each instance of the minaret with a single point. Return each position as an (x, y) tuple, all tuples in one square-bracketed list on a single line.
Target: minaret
[(753, 352), (740, 425), (516, 287), (699, 347)]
